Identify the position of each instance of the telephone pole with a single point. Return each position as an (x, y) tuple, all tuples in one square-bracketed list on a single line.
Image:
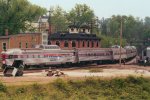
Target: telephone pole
[(49, 22)]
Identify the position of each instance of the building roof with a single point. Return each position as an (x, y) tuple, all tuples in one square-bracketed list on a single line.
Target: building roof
[(73, 36), (6, 37), (73, 26)]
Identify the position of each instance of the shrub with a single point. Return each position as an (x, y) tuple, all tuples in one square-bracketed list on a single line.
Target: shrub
[(63, 86), (135, 80), (3, 88), (36, 86), (118, 83), (21, 90)]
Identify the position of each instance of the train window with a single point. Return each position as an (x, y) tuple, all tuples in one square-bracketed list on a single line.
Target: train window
[(10, 56), (15, 56), (41, 46), (21, 56)]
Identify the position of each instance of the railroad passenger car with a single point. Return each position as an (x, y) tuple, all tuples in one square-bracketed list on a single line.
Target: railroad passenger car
[(53, 55)]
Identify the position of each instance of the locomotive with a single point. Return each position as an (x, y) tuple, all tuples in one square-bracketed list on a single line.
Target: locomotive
[(53, 55)]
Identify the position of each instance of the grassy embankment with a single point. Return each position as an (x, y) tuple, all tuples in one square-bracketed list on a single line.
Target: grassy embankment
[(130, 88)]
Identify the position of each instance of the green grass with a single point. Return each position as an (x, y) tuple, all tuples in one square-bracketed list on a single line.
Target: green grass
[(130, 88), (96, 70)]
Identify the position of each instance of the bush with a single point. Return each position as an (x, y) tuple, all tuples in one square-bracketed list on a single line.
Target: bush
[(3, 88), (63, 86), (119, 83), (135, 80), (21, 90), (36, 86)]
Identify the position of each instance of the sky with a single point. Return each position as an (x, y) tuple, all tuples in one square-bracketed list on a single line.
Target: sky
[(103, 8)]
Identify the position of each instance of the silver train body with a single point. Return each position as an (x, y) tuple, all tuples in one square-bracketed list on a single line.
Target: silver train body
[(53, 55)]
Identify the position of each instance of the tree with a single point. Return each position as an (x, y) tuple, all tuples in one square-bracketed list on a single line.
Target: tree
[(81, 14), (16, 14), (58, 19), (132, 27)]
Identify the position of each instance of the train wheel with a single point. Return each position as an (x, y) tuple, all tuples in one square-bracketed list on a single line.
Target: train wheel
[(99, 62), (20, 70), (3, 66), (27, 67)]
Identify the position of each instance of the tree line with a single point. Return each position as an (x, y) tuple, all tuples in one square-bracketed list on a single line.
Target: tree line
[(16, 15)]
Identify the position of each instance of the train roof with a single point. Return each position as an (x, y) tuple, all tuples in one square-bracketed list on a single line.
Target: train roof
[(48, 47), (115, 46), (130, 47), (14, 51)]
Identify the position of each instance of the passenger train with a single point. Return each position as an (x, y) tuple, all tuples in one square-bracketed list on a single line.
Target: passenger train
[(53, 55)]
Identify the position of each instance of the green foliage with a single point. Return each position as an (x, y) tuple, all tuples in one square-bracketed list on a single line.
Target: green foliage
[(21, 90), (81, 14), (58, 19), (133, 29), (16, 14), (3, 88), (130, 88), (95, 70), (108, 41)]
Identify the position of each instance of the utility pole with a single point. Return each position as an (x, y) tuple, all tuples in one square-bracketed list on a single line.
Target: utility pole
[(97, 24), (40, 21), (92, 26), (49, 22), (120, 41)]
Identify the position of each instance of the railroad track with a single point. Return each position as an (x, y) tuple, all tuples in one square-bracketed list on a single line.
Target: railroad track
[(35, 70)]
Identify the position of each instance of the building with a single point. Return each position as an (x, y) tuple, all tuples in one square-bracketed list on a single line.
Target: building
[(77, 37), (22, 40), (43, 24), (40, 25)]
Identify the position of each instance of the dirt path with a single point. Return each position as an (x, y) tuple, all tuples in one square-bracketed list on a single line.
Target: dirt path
[(108, 71)]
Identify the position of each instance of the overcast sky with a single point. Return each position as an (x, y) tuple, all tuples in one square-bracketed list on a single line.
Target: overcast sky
[(103, 8)]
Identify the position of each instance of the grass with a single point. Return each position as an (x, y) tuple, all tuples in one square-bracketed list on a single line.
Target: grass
[(96, 70), (130, 88)]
